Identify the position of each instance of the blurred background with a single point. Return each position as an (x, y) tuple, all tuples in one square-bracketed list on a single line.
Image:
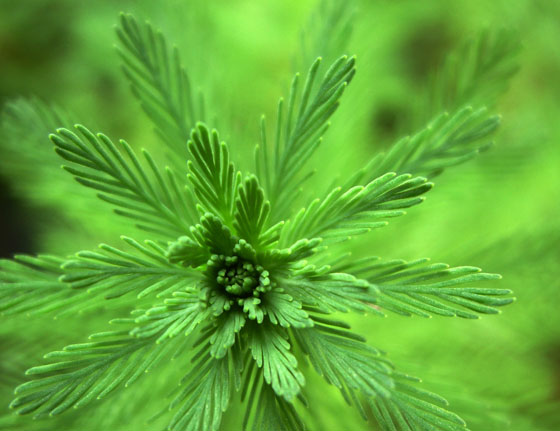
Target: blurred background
[(499, 211)]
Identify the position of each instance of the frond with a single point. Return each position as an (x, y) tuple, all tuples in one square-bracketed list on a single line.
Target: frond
[(267, 411), (423, 289), (26, 154), (410, 408), (448, 140), (283, 258), (477, 72), (114, 272), (281, 309), (299, 131), (227, 326), (158, 202), (160, 82), (329, 292), (214, 235), (212, 174), (187, 252), (361, 373), (345, 361), (81, 373), (251, 214), (31, 285), (347, 212), (270, 349), (327, 31), (206, 394), (182, 312)]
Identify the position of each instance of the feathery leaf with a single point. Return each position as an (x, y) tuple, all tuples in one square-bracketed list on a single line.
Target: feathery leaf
[(329, 292), (345, 213), (271, 350), (160, 82), (158, 203), (30, 284), (423, 289), (475, 73), (299, 131), (206, 395), (116, 272), (211, 172), (410, 408), (345, 361), (267, 411), (81, 373), (251, 214)]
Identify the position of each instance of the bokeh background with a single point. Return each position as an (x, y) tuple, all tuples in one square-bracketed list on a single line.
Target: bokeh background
[(500, 212)]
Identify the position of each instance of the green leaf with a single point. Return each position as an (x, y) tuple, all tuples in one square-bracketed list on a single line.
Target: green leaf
[(27, 155), (283, 310), (158, 202), (329, 292), (227, 327), (446, 141), (327, 31), (31, 285), (205, 396), (477, 72), (187, 252), (271, 351), (212, 174), (116, 272), (81, 373), (423, 289), (300, 130), (410, 408), (160, 82), (265, 410), (345, 213), (345, 361), (182, 313), (283, 258), (213, 234), (252, 307), (251, 214)]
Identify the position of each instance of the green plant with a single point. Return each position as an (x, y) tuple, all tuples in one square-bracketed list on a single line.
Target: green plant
[(249, 288)]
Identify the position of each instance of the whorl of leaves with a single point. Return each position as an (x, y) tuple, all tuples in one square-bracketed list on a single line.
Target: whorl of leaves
[(242, 302)]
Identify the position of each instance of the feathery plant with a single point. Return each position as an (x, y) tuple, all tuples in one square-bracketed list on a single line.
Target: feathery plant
[(238, 287)]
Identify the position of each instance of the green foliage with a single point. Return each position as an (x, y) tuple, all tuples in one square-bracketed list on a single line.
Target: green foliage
[(448, 140), (244, 302), (116, 272), (345, 361), (271, 351), (328, 31), (300, 130), (160, 82), (30, 285), (265, 410), (24, 125), (156, 201), (345, 213), (83, 372), (410, 408), (205, 396), (211, 173), (424, 289), (251, 214), (477, 72)]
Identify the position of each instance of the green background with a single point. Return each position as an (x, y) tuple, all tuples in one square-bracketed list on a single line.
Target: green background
[(499, 212)]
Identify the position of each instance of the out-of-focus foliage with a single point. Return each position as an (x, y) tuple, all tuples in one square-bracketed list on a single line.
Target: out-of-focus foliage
[(500, 211)]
